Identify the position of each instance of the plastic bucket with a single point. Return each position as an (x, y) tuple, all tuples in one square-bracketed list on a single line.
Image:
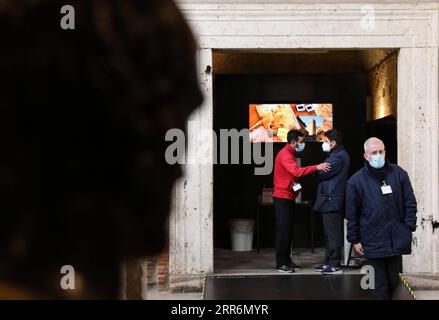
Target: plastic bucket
[(241, 233)]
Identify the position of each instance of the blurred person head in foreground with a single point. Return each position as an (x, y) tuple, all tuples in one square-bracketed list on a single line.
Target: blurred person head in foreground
[(83, 115)]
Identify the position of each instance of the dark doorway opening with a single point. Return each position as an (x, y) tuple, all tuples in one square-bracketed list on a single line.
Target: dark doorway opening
[(351, 91)]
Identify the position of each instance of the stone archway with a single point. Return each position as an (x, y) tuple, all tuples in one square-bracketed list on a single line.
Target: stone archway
[(275, 24)]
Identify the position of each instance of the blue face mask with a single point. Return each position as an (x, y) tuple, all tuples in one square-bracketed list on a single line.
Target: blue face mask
[(377, 161), (300, 147)]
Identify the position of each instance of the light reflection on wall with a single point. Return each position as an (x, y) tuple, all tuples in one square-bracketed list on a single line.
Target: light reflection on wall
[(383, 81)]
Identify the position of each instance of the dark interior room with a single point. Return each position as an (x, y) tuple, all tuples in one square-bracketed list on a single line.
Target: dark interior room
[(350, 87), (236, 188)]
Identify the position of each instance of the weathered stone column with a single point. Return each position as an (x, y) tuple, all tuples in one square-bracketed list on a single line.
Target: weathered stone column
[(418, 148), (191, 231)]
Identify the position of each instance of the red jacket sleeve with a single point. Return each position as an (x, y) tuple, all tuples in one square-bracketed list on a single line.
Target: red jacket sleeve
[(291, 165)]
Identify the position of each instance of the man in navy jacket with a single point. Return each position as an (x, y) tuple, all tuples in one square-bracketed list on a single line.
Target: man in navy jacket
[(330, 200), (381, 212)]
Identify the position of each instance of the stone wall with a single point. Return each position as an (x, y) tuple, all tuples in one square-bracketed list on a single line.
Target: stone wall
[(383, 85)]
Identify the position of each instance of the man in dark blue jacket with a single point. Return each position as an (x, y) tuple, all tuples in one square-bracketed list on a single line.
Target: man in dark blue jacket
[(381, 212), (330, 201)]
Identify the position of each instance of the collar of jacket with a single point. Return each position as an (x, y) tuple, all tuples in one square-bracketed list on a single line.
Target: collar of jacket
[(336, 149), (290, 149), (387, 168)]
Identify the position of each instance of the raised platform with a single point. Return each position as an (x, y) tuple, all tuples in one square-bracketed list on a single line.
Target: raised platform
[(290, 287)]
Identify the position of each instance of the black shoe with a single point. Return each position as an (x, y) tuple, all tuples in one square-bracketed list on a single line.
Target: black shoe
[(321, 267), (285, 269), (332, 270), (294, 265)]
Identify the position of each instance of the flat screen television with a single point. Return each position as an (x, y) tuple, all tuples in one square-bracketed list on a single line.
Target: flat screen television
[(271, 122)]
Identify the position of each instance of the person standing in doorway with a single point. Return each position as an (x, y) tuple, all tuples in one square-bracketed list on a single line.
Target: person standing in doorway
[(286, 188), (381, 211), (330, 200)]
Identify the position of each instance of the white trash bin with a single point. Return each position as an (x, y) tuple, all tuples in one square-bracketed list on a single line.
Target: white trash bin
[(241, 233)]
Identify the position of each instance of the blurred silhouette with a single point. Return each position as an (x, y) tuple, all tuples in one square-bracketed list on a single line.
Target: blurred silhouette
[(83, 115)]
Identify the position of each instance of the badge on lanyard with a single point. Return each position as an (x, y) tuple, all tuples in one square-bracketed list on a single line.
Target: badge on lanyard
[(297, 187), (385, 189)]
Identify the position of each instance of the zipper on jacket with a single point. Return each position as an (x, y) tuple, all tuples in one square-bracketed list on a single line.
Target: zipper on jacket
[(388, 224)]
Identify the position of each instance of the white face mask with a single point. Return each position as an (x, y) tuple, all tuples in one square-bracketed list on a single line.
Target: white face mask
[(326, 147)]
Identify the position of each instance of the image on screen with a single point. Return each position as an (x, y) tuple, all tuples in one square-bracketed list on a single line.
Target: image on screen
[(271, 122)]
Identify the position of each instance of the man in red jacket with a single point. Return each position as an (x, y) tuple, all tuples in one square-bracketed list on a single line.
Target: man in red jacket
[(286, 188)]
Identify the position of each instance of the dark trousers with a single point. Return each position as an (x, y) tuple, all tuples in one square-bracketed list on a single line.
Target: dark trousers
[(332, 225), (284, 229), (386, 276)]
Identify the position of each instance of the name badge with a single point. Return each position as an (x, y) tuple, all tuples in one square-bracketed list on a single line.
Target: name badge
[(297, 187), (386, 189)]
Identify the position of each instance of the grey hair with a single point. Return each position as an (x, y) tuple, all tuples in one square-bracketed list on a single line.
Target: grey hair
[(368, 141)]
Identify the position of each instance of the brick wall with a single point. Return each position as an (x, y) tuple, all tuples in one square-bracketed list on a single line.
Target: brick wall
[(158, 271), (152, 273), (383, 84), (162, 269)]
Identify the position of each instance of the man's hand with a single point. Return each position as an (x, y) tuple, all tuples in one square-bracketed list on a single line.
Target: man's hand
[(359, 248), (324, 167)]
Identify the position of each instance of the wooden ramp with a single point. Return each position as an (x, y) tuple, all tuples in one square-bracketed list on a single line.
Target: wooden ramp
[(290, 287)]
